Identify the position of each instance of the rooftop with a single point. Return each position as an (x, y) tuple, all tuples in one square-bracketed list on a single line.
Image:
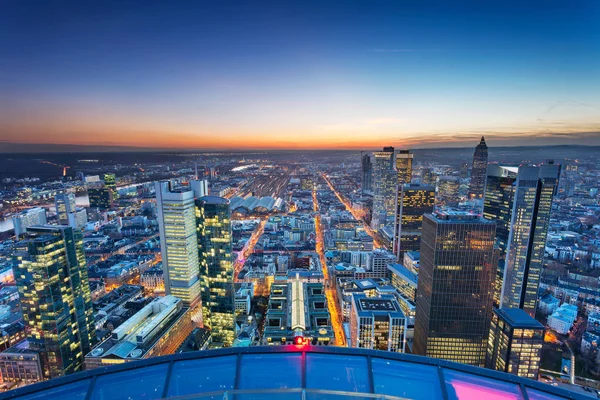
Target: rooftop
[(517, 318), (310, 371)]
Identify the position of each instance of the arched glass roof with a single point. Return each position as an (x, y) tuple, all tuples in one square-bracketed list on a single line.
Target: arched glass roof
[(291, 372)]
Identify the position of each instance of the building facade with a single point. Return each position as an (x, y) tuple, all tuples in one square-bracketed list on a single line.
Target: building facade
[(455, 287), (51, 275), (176, 216), (530, 219), (65, 205), (498, 206), (515, 343), (27, 218), (404, 162), (413, 202), (366, 173), (479, 170), (213, 219), (384, 188), (377, 323)]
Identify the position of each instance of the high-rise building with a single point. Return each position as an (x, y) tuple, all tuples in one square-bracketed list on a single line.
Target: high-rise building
[(413, 201), (530, 218), (52, 280), (27, 218), (498, 206), (366, 173), (448, 191), (176, 216), (404, 161), (479, 170), (515, 343), (377, 323), (100, 197), (65, 205), (78, 219), (213, 219), (455, 287), (384, 188)]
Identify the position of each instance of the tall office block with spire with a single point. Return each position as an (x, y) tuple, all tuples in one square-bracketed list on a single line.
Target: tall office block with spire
[(455, 288), (384, 188), (52, 279), (532, 204), (178, 241), (213, 218), (479, 170)]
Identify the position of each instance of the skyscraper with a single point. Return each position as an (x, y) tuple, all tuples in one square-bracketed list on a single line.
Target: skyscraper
[(498, 206), (65, 205), (479, 170), (515, 343), (414, 200), (455, 287), (27, 218), (176, 216), (404, 161), (366, 173), (52, 280), (384, 188), (216, 267), (530, 218)]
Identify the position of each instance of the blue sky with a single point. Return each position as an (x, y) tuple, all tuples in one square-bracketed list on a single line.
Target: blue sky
[(310, 74)]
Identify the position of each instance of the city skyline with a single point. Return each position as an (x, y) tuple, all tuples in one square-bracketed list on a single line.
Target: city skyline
[(188, 75)]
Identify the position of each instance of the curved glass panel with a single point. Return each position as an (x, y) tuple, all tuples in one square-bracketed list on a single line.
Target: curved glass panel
[(463, 386), (202, 375), (402, 379), (141, 383), (69, 391), (337, 372), (539, 395), (271, 371)]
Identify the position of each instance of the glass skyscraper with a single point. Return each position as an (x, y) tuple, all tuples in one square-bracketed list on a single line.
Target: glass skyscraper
[(178, 241), (413, 201), (530, 218), (515, 343), (479, 170), (404, 161), (497, 206), (216, 267), (366, 173), (384, 188), (65, 205), (52, 279), (455, 287)]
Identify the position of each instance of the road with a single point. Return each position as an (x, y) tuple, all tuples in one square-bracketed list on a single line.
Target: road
[(357, 215), (248, 248), (330, 293)]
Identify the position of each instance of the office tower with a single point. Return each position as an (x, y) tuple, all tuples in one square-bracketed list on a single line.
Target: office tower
[(448, 191), (366, 173), (65, 204), (110, 181), (384, 188), (176, 216), (377, 262), (27, 218), (216, 267), (404, 161), (515, 343), (498, 206), (428, 177), (78, 219), (413, 201), (530, 218), (377, 323), (479, 170), (100, 197), (52, 280), (455, 287)]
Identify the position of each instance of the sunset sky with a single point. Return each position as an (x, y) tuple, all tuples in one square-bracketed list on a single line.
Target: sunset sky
[(317, 74)]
